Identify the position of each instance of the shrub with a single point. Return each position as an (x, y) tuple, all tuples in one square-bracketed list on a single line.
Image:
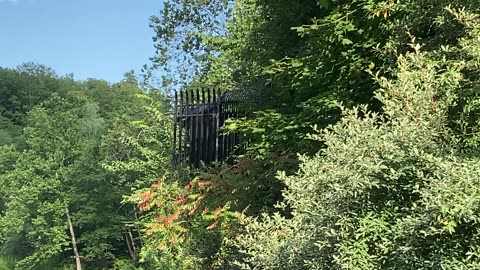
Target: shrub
[(396, 190)]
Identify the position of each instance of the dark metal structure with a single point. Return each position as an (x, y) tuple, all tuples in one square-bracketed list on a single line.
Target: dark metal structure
[(199, 116)]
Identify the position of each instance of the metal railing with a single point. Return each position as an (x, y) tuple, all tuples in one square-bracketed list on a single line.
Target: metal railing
[(199, 116)]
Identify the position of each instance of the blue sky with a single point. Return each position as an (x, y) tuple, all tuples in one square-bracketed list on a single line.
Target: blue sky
[(100, 39)]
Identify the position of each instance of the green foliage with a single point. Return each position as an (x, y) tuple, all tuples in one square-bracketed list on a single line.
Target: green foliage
[(125, 265), (184, 30), (42, 183), (138, 149), (317, 53), (179, 223), (23, 88), (320, 54), (117, 101), (51, 164), (6, 263), (184, 222), (392, 190)]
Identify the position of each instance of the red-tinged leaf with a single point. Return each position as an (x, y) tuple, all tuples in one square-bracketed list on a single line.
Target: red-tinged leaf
[(146, 197), (203, 184), (194, 209), (180, 201), (217, 212), (171, 218), (205, 211), (212, 226), (144, 206)]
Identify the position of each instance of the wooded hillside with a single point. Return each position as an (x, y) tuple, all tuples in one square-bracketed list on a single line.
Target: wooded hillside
[(364, 153)]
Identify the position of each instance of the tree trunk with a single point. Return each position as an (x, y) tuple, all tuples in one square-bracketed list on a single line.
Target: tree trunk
[(74, 242), (132, 249)]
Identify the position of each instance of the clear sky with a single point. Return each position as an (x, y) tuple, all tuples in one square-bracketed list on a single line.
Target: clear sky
[(100, 39)]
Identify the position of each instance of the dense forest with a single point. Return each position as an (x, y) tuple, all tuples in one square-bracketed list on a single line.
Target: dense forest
[(364, 153)]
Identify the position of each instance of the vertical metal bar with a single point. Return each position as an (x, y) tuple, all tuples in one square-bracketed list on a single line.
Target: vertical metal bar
[(214, 125), (191, 131), (175, 120), (217, 125), (208, 128), (201, 108), (234, 135), (191, 113), (224, 113), (181, 139), (237, 135), (199, 126), (203, 149), (241, 137), (197, 135), (186, 144)]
